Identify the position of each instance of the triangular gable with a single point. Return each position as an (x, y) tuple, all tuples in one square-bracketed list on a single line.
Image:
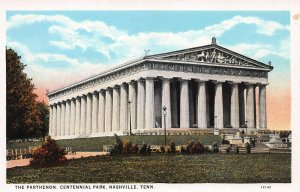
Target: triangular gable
[(213, 54)]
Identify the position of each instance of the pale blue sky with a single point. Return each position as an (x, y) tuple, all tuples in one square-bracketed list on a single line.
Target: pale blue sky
[(77, 44)]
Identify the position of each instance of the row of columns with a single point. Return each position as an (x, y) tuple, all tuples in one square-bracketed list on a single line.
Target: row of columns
[(131, 105)]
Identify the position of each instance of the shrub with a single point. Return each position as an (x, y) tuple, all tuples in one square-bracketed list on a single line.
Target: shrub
[(194, 148), (127, 147), (224, 141), (148, 151), (162, 149), (143, 149), (49, 154), (118, 146), (172, 148), (248, 147), (237, 150), (182, 149), (135, 149), (215, 148)]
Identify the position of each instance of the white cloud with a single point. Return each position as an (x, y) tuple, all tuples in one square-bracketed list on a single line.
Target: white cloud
[(119, 46), (92, 34), (259, 51)]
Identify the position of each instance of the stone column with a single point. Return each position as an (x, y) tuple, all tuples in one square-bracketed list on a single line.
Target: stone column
[(219, 106), (234, 106), (123, 107), (50, 120), (108, 110), (116, 109), (67, 118), (58, 120), (166, 101), (140, 104), (149, 105), (133, 100), (184, 104), (174, 105), (62, 119), (101, 112), (201, 105), (82, 114), (262, 107), (250, 108), (77, 116), (54, 124), (88, 125), (95, 105), (72, 123)]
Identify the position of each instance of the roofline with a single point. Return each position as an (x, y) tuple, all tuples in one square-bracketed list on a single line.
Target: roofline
[(208, 46), (105, 72), (154, 58)]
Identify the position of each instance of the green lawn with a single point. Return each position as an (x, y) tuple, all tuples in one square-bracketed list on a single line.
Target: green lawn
[(163, 168), (95, 144)]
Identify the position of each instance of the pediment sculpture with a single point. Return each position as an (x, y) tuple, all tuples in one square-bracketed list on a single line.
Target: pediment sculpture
[(211, 56)]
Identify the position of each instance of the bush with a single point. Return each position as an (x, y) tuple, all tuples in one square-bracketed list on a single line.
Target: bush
[(215, 148), (173, 148), (49, 154), (143, 149), (148, 151), (135, 149), (237, 150), (224, 141), (162, 149), (248, 147), (127, 147), (194, 148), (118, 146)]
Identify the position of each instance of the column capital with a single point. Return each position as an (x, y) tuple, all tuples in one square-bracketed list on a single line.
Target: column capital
[(132, 82), (116, 87), (95, 93), (101, 91), (233, 82), (249, 83), (78, 98), (217, 81), (262, 84), (165, 78), (140, 80), (183, 79), (150, 78), (200, 80)]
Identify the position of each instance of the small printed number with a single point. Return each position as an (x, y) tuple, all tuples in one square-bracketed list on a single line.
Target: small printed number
[(265, 187)]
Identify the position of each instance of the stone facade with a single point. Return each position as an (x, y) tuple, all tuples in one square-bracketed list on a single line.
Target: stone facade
[(203, 87)]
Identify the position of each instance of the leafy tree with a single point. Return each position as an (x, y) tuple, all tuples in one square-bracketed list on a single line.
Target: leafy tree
[(21, 106), (42, 126)]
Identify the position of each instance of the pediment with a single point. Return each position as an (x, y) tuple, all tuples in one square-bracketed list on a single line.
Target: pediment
[(212, 54)]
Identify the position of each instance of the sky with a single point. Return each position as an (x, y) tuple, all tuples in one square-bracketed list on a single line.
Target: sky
[(60, 47)]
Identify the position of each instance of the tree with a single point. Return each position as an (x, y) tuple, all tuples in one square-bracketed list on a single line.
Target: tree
[(42, 125), (21, 106)]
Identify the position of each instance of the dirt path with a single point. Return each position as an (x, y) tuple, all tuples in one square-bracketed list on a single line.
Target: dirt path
[(25, 162)]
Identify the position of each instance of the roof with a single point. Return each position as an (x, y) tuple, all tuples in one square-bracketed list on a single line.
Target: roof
[(211, 54)]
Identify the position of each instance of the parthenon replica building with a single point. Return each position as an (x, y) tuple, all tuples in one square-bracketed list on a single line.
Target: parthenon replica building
[(206, 87)]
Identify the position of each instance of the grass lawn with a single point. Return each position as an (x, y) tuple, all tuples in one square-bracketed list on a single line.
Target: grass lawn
[(162, 168), (95, 144)]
